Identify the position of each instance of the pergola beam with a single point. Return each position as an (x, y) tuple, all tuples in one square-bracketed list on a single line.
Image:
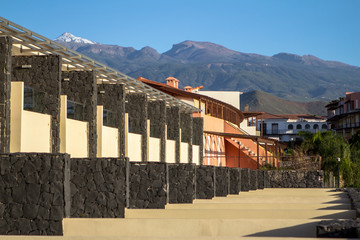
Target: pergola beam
[(36, 44)]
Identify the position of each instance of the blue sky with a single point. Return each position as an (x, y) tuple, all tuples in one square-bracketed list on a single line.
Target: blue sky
[(328, 29)]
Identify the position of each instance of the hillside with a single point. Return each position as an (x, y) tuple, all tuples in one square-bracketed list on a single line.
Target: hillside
[(264, 102), (289, 76)]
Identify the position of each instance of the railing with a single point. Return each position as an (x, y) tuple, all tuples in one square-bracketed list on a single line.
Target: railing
[(300, 162), (347, 125), (244, 161)]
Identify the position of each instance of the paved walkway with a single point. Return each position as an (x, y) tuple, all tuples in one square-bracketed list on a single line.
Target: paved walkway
[(270, 213)]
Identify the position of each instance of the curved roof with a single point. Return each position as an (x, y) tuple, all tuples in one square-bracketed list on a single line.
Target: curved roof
[(179, 92)]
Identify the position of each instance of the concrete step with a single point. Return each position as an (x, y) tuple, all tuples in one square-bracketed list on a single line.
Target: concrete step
[(146, 238), (239, 214), (290, 206), (190, 228)]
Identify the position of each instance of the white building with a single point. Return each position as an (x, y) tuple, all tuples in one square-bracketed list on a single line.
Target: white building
[(285, 127), (230, 97)]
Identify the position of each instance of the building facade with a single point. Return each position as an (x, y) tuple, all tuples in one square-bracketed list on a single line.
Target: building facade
[(285, 127), (226, 138), (344, 114)]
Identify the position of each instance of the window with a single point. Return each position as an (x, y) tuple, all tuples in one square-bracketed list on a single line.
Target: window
[(324, 126), (290, 126), (34, 100), (307, 126), (275, 128), (298, 126), (109, 118), (75, 111), (29, 100), (316, 126)]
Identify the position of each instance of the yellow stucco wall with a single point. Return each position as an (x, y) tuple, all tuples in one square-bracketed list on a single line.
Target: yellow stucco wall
[(154, 149), (170, 151), (184, 152), (16, 112), (35, 133), (110, 142), (29, 131), (196, 154), (134, 147), (77, 138)]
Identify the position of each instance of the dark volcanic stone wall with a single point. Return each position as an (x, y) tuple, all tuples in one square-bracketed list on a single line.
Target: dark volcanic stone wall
[(205, 182), (253, 179), (112, 97), (198, 127), (235, 183), (186, 126), (245, 179), (32, 194), (81, 87), (261, 179), (44, 76), (181, 179), (173, 128), (136, 107), (157, 116), (147, 185), (5, 85), (222, 181), (97, 187), (294, 179)]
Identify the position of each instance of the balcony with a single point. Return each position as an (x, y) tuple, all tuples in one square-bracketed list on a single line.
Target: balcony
[(346, 125)]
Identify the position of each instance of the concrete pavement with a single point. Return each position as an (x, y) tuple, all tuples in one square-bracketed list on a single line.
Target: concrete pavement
[(270, 213)]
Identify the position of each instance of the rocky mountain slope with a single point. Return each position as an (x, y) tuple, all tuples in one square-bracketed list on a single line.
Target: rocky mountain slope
[(289, 76)]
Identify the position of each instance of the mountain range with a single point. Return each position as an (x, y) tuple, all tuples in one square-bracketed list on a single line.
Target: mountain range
[(264, 102), (285, 75)]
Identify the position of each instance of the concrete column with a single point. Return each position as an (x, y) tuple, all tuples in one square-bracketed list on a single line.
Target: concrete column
[(17, 105), (112, 98), (197, 136), (186, 126), (43, 75), (136, 107), (81, 87), (5, 83), (99, 124), (173, 128), (157, 117), (63, 116)]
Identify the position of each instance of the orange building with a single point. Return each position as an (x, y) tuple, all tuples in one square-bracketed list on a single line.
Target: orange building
[(224, 142)]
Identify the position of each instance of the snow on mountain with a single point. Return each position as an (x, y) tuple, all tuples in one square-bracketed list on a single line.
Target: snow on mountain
[(68, 37)]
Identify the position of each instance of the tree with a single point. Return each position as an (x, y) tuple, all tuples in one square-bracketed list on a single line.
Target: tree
[(330, 147)]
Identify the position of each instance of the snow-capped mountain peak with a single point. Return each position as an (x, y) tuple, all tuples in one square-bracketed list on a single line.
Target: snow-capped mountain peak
[(68, 37)]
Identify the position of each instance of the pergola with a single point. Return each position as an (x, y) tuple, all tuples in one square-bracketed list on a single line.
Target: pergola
[(26, 42)]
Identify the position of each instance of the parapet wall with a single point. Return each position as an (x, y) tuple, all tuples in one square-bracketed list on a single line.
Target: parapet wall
[(38, 190), (32, 194), (294, 179)]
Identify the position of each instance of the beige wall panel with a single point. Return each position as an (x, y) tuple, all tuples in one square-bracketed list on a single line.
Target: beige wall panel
[(35, 135), (154, 149), (184, 153), (77, 138), (170, 151), (16, 111), (134, 147), (110, 142), (196, 154)]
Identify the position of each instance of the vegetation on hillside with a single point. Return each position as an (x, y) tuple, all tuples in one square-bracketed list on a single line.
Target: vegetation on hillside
[(332, 148)]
